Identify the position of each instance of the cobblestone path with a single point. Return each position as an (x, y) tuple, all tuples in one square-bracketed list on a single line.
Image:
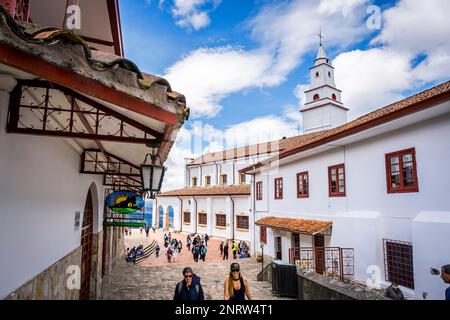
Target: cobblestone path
[(134, 282)]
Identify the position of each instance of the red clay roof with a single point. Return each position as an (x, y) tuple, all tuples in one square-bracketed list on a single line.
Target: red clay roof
[(294, 225), (241, 189), (417, 102)]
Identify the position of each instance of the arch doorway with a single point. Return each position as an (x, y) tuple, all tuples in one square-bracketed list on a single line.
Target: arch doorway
[(160, 217), (86, 247), (170, 215)]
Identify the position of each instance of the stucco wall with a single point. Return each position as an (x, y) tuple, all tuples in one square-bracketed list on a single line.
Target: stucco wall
[(368, 214), (40, 191)]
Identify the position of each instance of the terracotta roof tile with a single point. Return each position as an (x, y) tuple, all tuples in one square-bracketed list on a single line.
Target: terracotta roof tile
[(97, 60), (241, 189), (294, 225), (255, 149)]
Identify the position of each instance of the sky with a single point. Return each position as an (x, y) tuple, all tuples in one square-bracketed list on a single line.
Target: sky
[(243, 64)]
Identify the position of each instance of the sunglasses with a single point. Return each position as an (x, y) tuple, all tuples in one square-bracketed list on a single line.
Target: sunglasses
[(188, 276), (234, 270)]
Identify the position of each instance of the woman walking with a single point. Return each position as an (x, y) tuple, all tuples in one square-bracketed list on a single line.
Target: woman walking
[(235, 286)]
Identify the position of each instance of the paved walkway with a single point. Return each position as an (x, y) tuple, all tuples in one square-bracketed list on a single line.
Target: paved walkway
[(155, 279)]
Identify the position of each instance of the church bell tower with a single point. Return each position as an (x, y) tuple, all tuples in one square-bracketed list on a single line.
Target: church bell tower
[(323, 109)]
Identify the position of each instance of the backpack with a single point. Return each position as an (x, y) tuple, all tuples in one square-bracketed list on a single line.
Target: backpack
[(180, 286), (204, 251)]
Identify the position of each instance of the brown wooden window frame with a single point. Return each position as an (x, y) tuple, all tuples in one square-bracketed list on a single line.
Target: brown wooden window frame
[(263, 234), (242, 178), (240, 225), (278, 183), (196, 181), (259, 189), (336, 193), (207, 183), (186, 214), (402, 271), (301, 176), (222, 217), (201, 216), (401, 188)]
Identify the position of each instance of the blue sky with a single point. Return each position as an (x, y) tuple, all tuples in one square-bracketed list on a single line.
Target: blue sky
[(243, 65)]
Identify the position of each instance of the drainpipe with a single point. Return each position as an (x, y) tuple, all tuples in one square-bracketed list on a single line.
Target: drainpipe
[(189, 177), (253, 177), (196, 216), (234, 173), (200, 178), (232, 214), (217, 172), (181, 214)]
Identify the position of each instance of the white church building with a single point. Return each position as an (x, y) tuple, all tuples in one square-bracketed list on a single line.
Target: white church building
[(366, 199)]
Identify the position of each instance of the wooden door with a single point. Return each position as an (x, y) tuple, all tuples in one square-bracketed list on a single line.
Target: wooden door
[(86, 248), (319, 248)]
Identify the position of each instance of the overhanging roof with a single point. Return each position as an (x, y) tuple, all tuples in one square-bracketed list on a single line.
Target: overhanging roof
[(91, 99)]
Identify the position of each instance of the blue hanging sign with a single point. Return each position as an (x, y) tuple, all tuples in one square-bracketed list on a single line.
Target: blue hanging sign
[(124, 202)]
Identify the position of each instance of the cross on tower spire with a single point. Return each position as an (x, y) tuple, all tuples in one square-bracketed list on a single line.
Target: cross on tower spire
[(320, 36)]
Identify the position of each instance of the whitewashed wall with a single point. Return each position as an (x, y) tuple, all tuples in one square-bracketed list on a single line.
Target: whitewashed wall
[(40, 191), (368, 214)]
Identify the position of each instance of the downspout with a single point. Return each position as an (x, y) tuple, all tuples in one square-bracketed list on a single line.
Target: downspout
[(189, 177), (217, 172), (196, 216), (234, 173), (253, 177), (181, 214), (200, 178), (232, 214)]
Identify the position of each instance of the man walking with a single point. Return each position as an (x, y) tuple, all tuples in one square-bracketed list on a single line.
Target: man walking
[(189, 288), (225, 251)]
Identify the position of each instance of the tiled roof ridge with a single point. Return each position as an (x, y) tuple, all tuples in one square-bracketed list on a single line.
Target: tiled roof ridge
[(51, 35), (209, 190), (368, 119), (251, 146)]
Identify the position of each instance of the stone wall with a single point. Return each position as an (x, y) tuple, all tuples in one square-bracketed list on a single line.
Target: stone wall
[(313, 286), (96, 266), (51, 284)]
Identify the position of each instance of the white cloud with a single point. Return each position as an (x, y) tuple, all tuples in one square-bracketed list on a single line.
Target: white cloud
[(284, 33), (371, 78), (193, 13), (210, 139), (377, 76), (206, 76)]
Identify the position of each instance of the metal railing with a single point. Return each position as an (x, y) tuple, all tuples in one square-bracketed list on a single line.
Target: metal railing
[(265, 274), (329, 261)]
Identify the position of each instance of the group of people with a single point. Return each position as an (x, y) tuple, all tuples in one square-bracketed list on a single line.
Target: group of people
[(131, 255), (235, 286), (172, 247), (240, 250), (199, 246)]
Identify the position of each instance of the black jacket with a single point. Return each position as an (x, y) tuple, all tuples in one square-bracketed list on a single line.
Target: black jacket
[(395, 294), (191, 292)]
